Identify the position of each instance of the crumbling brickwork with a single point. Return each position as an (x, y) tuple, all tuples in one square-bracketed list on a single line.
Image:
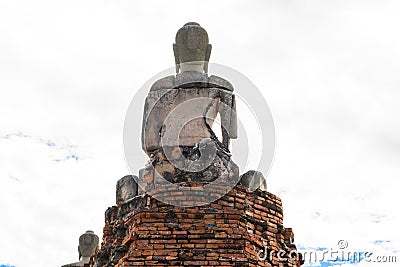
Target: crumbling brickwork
[(228, 232)]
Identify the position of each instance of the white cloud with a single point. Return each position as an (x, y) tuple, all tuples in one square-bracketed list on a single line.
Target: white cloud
[(329, 71)]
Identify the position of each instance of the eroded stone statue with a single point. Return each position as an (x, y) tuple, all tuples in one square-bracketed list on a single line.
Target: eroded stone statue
[(179, 114), (253, 180), (88, 246)]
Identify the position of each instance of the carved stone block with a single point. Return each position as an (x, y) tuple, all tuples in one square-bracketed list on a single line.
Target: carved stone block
[(127, 188), (253, 180)]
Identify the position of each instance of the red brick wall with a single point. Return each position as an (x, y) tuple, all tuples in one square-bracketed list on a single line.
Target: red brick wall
[(228, 232)]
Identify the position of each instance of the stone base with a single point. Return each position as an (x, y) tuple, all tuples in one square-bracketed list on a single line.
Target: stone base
[(160, 171)]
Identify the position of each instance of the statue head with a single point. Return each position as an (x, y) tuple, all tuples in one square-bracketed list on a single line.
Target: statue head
[(191, 48), (88, 244)]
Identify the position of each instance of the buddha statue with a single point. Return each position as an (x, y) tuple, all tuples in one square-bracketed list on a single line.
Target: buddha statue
[(88, 246), (179, 113)]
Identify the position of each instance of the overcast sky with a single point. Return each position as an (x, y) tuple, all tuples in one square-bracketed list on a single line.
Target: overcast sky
[(329, 71)]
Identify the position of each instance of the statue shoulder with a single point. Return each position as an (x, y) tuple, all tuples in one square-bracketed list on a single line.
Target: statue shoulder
[(169, 82), (220, 82), (164, 83)]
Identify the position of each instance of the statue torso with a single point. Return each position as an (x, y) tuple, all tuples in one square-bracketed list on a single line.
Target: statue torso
[(180, 110)]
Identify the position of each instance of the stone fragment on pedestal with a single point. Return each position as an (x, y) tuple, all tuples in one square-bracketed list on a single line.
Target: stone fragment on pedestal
[(127, 188), (253, 180), (88, 246)]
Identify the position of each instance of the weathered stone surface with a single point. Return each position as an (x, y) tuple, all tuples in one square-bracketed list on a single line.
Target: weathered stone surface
[(177, 117), (160, 171), (219, 82), (253, 180), (192, 79), (127, 188), (88, 246), (191, 49), (180, 110), (179, 114)]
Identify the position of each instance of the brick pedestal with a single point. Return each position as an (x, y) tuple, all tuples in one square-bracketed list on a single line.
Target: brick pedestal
[(230, 231)]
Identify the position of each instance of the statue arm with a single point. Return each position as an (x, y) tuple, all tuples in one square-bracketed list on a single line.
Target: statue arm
[(153, 119), (228, 118), (227, 108)]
